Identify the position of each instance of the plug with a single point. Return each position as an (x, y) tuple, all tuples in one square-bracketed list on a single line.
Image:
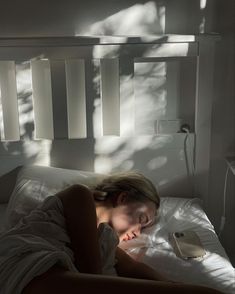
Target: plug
[(185, 128)]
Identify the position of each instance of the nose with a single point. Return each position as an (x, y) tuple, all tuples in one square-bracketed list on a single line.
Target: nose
[(136, 231)]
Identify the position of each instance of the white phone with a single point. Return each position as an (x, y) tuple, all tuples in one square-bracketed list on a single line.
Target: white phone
[(187, 244)]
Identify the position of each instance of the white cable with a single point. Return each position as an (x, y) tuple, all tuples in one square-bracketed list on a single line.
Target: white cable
[(190, 173), (223, 217), (185, 152)]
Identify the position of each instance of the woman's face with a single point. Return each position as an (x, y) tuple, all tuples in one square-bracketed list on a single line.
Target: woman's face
[(129, 218)]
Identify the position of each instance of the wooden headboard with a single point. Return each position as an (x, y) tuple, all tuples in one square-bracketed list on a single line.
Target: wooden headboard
[(79, 88)]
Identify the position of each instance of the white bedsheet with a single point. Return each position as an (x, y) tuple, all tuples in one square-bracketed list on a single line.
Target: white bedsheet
[(177, 214)]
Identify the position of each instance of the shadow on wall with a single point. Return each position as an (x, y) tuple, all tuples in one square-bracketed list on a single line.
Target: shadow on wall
[(127, 151), (75, 17), (81, 153), (137, 20), (189, 16), (140, 149), (78, 153), (147, 17)]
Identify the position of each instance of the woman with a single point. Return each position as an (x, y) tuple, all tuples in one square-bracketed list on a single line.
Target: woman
[(126, 203)]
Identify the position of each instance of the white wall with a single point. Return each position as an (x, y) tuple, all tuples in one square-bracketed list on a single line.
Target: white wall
[(53, 18)]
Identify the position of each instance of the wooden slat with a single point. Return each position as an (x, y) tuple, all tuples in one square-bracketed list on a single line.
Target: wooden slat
[(10, 112), (110, 93), (42, 99), (203, 114), (76, 98), (59, 102), (127, 99)]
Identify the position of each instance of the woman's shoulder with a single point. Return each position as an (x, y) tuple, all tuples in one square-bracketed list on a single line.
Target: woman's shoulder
[(75, 194)]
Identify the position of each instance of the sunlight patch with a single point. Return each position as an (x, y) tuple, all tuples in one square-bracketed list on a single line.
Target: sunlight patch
[(102, 164), (202, 25), (203, 4), (139, 19), (1, 120), (156, 163)]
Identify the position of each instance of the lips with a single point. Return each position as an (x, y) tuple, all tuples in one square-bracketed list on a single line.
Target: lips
[(127, 238), (130, 237)]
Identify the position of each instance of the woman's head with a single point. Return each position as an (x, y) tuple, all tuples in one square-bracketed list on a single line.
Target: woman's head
[(132, 200)]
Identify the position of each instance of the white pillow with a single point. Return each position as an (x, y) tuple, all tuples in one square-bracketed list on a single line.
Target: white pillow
[(35, 183)]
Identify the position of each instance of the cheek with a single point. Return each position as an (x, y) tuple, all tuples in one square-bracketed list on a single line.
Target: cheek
[(121, 223)]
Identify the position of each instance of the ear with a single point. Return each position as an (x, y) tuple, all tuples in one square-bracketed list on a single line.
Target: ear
[(121, 198)]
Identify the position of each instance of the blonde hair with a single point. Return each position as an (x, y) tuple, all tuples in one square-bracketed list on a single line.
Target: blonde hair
[(139, 188)]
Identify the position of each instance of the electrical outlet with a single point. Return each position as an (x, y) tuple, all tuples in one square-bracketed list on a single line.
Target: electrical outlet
[(167, 126)]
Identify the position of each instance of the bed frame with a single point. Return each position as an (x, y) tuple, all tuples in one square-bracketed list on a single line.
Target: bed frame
[(112, 50)]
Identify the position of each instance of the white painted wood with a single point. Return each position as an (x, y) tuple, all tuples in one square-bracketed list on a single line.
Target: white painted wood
[(141, 49), (156, 86), (151, 50), (171, 50), (172, 89), (203, 112), (1, 120), (107, 40), (42, 99), (127, 99), (110, 96), (151, 99), (10, 114), (76, 98), (90, 40), (59, 101)]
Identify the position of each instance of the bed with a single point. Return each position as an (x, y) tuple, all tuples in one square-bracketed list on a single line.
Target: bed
[(35, 183), (42, 125)]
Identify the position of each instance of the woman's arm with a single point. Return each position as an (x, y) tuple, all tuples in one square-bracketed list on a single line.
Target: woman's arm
[(128, 267), (81, 221)]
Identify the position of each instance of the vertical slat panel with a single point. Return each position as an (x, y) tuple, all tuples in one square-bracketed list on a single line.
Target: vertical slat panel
[(203, 114), (172, 89), (76, 98), (10, 114), (150, 95), (59, 103), (1, 120), (127, 100), (95, 78), (42, 99), (110, 95)]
